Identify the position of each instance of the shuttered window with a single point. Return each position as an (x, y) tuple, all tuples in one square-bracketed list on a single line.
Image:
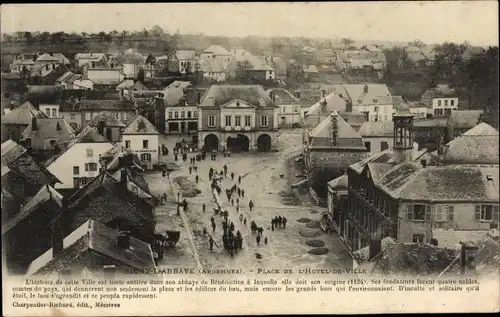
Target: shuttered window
[(418, 212), (486, 212), (428, 213), (451, 213)]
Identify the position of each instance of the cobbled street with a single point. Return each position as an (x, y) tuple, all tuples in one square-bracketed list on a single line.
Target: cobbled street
[(264, 181)]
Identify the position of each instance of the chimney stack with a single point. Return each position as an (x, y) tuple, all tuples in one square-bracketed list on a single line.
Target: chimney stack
[(109, 271), (100, 126), (262, 102), (273, 96), (199, 97), (468, 253), (34, 125), (123, 174), (375, 248), (123, 239), (58, 229)]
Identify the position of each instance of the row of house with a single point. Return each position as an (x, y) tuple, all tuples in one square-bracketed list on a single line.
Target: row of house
[(105, 227), (406, 194)]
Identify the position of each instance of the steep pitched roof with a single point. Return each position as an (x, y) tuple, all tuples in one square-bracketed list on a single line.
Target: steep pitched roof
[(180, 84), (217, 50), (464, 118), (96, 237), (452, 182), (282, 96), (140, 125), (97, 105), (22, 115), (345, 131), (478, 145), (11, 150), (126, 84), (339, 182), (221, 94), (68, 77), (45, 194), (377, 129), (49, 128), (46, 58), (357, 92), (87, 135), (109, 119), (333, 103)]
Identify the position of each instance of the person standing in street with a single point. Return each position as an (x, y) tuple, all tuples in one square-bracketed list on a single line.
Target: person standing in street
[(232, 176), (239, 180), (250, 205), (265, 240), (213, 226), (197, 179), (203, 208), (211, 242), (284, 222), (190, 169), (258, 239)]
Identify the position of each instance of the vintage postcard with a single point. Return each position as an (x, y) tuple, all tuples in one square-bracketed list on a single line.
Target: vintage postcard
[(250, 158)]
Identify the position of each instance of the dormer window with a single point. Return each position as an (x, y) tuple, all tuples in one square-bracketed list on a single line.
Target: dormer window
[(375, 100), (489, 177)]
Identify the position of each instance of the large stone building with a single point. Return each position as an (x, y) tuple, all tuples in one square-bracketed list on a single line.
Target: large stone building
[(328, 150), (237, 118), (402, 194)]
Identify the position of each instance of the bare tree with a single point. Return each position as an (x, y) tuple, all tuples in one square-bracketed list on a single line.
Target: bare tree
[(347, 42)]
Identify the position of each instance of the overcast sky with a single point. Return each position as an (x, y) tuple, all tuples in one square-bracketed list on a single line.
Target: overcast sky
[(473, 21)]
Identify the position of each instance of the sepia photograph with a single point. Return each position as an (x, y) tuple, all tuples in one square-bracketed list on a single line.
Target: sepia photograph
[(250, 158)]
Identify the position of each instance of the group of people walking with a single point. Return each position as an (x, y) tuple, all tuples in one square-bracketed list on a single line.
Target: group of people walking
[(278, 222)]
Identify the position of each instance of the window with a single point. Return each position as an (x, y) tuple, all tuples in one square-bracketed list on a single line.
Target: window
[(423, 163), (384, 146), (182, 114), (439, 103), (85, 180), (263, 121), (195, 114), (446, 103), (438, 112), (189, 114), (452, 102), (176, 114), (376, 109), (237, 121), (145, 144), (228, 121), (90, 152), (247, 121), (127, 144), (368, 146), (296, 109), (54, 112), (145, 157), (486, 212), (283, 109), (72, 116), (418, 237), (47, 111), (447, 112), (76, 170), (90, 167), (125, 116), (385, 117), (117, 115), (211, 121), (170, 114), (418, 212)]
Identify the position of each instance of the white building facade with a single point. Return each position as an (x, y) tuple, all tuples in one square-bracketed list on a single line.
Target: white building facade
[(79, 164)]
